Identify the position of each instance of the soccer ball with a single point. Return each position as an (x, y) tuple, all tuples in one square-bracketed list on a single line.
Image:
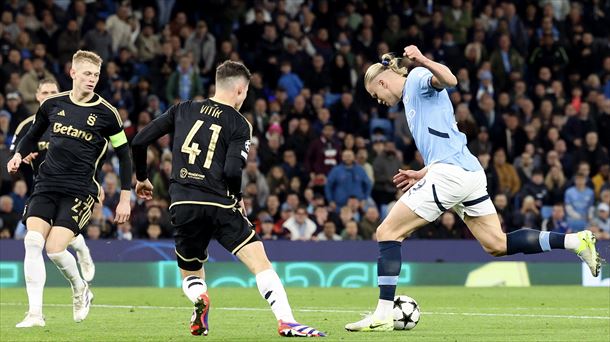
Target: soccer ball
[(405, 312)]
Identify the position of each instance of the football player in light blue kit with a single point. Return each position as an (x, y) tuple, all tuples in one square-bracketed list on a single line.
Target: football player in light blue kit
[(452, 179)]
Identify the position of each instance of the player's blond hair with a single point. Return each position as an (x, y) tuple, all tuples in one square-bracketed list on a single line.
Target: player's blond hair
[(86, 56), (388, 62)]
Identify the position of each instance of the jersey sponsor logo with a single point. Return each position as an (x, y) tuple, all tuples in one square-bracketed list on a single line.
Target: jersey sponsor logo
[(61, 113), (91, 119), (213, 111), (184, 173), (58, 128)]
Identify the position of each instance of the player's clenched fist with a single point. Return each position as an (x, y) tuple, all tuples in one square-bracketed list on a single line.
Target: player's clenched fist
[(144, 189), (413, 53), (13, 165)]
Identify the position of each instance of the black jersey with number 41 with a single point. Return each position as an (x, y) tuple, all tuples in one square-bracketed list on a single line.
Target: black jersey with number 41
[(205, 134)]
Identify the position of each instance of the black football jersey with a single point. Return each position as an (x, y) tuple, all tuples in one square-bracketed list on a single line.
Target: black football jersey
[(205, 134), (42, 145), (79, 134)]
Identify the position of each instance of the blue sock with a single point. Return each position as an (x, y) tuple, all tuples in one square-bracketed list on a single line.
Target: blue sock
[(388, 268), (531, 241)]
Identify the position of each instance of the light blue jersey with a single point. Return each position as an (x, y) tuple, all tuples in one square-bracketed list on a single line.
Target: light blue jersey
[(432, 123)]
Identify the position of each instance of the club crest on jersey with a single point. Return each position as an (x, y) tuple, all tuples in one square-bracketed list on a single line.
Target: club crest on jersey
[(91, 119)]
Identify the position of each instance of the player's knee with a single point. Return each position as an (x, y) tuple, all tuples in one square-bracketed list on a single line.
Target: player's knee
[(33, 240), (497, 248), (53, 247)]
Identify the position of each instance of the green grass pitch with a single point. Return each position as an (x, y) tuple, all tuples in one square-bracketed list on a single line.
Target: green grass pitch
[(550, 313)]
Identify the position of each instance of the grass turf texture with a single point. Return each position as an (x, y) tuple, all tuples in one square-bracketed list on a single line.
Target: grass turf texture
[(549, 313)]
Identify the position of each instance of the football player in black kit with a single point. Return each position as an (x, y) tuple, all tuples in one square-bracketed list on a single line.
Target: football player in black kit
[(81, 126), (31, 163), (211, 140)]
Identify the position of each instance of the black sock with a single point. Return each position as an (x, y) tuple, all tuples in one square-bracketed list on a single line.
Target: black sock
[(531, 241)]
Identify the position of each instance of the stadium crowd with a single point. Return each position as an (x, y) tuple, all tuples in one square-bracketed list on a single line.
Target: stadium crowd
[(533, 100)]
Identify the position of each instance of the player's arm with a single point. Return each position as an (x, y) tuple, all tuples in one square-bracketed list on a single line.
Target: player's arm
[(28, 142), (157, 128), (237, 155), (118, 139), (442, 77), (20, 132)]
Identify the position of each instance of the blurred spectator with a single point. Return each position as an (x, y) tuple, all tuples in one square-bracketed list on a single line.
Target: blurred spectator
[(385, 166), (290, 81), (481, 144), (252, 174), (267, 229), (579, 201), (184, 83), (69, 42), (602, 220), (602, 178), (322, 155), (557, 222), (119, 28), (153, 231), (508, 180), (8, 216), (299, 225), (345, 180), (202, 44), (29, 84), (329, 233), (148, 44), (351, 232), (99, 40), (19, 196), (124, 231), (93, 232), (505, 62), (448, 227), (528, 216)]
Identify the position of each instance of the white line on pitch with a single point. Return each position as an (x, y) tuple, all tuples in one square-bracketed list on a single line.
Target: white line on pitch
[(149, 307)]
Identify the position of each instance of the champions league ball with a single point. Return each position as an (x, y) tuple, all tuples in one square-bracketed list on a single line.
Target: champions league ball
[(406, 313)]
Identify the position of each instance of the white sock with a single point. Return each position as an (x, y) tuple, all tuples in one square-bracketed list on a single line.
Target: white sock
[(66, 264), (270, 287), (193, 286), (34, 270), (81, 249), (571, 241), (384, 309)]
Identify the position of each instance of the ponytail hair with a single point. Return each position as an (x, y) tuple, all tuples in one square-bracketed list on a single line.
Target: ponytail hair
[(388, 62)]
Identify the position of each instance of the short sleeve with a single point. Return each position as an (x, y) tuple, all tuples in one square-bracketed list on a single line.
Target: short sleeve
[(419, 81)]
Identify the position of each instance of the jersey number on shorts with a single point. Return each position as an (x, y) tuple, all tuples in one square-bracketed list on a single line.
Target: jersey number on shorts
[(193, 149)]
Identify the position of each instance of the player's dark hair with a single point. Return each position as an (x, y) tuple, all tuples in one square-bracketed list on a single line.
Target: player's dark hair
[(230, 69)]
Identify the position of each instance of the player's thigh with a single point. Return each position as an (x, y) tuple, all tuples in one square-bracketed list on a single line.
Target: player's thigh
[(74, 212), (58, 239), (36, 224), (236, 234), (399, 224), (192, 234), (488, 231), (40, 212)]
